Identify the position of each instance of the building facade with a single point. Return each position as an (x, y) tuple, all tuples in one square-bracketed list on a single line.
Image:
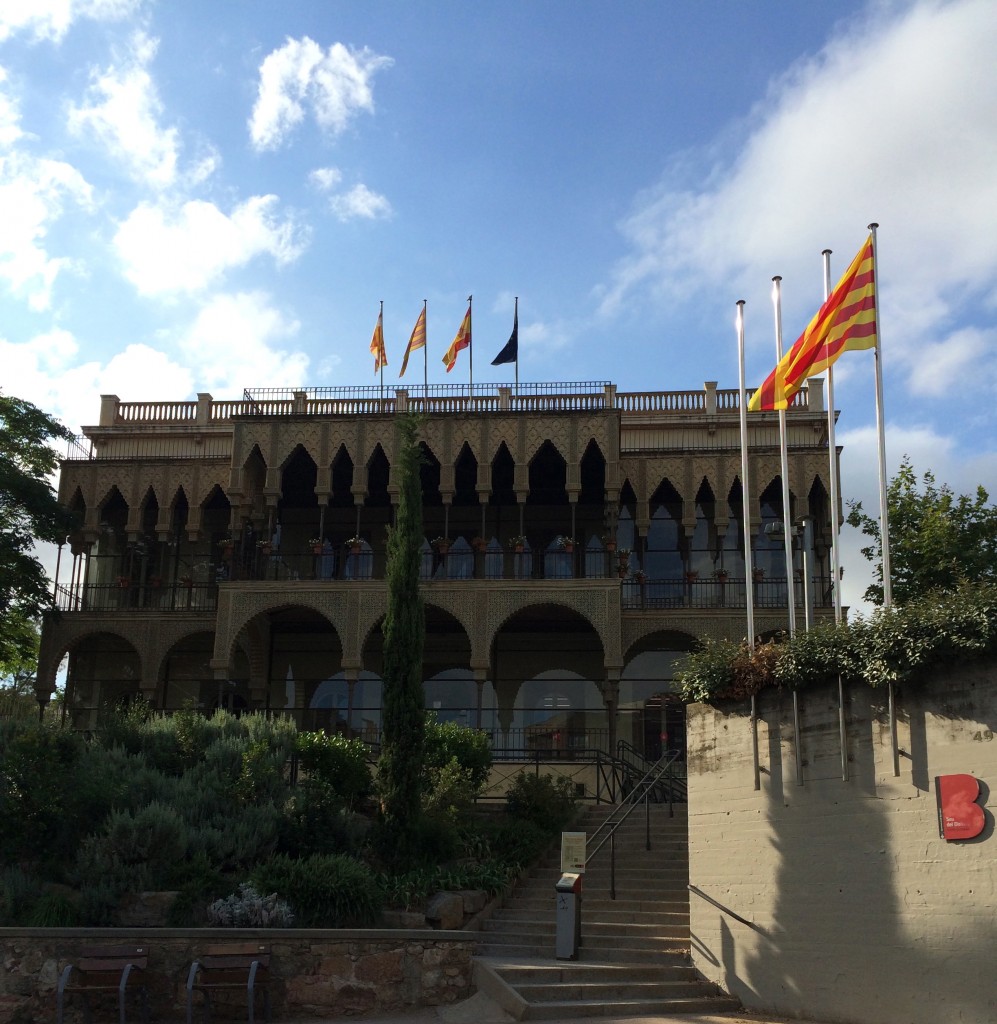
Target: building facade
[(578, 541)]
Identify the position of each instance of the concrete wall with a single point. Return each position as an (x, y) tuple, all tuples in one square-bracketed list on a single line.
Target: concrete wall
[(317, 973), (858, 910)]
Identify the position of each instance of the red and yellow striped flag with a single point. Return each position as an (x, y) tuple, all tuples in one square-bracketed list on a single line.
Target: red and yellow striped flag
[(463, 340), (377, 344), (417, 340), (846, 321)]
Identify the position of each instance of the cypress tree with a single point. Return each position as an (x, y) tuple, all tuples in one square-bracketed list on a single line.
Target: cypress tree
[(403, 702)]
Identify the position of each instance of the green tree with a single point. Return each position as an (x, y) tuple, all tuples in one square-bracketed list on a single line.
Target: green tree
[(400, 768), (29, 511), (937, 538)]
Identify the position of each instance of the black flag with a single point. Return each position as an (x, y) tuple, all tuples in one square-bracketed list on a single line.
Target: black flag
[(510, 354)]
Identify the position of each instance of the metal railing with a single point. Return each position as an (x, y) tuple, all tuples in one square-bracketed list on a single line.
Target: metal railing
[(656, 776)]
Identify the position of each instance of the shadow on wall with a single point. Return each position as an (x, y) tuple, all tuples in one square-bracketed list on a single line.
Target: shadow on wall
[(862, 912)]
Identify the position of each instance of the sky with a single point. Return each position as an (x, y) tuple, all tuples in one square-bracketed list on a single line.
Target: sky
[(212, 196)]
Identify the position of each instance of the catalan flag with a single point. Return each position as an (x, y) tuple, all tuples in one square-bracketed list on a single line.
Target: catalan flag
[(846, 321), (377, 344), (417, 340), (463, 340)]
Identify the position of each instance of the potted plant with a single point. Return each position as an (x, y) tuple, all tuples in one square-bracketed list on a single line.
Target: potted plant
[(226, 543), (721, 574), (565, 543), (316, 543), (691, 575), (187, 580), (124, 581), (518, 542), (479, 543), (639, 576), (442, 544), (265, 546), (758, 575), (609, 541), (355, 544)]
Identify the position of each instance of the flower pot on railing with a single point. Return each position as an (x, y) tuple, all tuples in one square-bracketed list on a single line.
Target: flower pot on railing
[(124, 581), (479, 544), (691, 576), (265, 548), (757, 575)]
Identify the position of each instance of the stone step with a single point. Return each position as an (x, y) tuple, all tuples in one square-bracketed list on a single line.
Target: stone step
[(611, 915), (600, 905), (652, 936)]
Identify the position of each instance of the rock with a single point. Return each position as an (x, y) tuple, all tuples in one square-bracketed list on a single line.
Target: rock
[(474, 900), (445, 910)]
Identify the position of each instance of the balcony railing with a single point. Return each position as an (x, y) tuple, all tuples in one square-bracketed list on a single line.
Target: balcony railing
[(184, 595)]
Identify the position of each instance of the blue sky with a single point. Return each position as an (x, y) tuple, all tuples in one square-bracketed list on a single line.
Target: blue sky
[(209, 196)]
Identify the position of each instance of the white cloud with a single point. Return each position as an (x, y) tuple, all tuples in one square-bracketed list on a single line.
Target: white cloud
[(937, 370), (360, 202), (51, 19), (10, 116), (122, 109), (335, 85), (325, 178), (32, 195), (894, 120), (232, 344), (184, 249), (48, 375)]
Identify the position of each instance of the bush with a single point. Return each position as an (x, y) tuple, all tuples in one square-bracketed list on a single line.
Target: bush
[(316, 820), (337, 763), (134, 851), (544, 800), (448, 741), (324, 891), (248, 909)]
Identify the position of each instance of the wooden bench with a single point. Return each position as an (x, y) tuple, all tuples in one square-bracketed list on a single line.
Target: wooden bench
[(230, 966), (103, 969)]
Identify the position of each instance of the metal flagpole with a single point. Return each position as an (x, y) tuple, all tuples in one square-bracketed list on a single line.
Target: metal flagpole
[(786, 522), (835, 528), (784, 466), (380, 351), (515, 320), (749, 597), (884, 514), (470, 350), (425, 352)]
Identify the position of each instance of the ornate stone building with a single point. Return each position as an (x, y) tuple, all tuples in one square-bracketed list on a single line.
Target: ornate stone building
[(578, 541)]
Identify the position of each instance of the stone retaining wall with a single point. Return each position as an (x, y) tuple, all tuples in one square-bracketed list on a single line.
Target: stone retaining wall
[(317, 973)]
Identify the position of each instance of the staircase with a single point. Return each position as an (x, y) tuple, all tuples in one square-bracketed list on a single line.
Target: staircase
[(634, 957)]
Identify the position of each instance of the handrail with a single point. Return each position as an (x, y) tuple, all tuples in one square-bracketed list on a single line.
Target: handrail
[(640, 792)]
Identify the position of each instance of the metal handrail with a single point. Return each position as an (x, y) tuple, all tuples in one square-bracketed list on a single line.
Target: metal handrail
[(640, 792)]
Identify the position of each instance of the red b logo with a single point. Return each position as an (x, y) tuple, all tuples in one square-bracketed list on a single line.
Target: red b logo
[(959, 816)]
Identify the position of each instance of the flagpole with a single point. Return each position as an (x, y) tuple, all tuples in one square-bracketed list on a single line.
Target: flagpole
[(380, 355), (786, 524), (833, 466), (516, 322), (784, 466), (425, 353), (470, 350), (835, 478), (749, 597), (884, 515)]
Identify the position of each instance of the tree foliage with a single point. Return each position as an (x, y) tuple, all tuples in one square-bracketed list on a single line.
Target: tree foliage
[(400, 767), (29, 511), (937, 538)]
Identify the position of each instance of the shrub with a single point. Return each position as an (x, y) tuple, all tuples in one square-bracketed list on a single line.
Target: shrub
[(448, 741), (134, 851), (18, 891), (337, 763), (324, 891), (544, 800), (316, 820), (248, 909)]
